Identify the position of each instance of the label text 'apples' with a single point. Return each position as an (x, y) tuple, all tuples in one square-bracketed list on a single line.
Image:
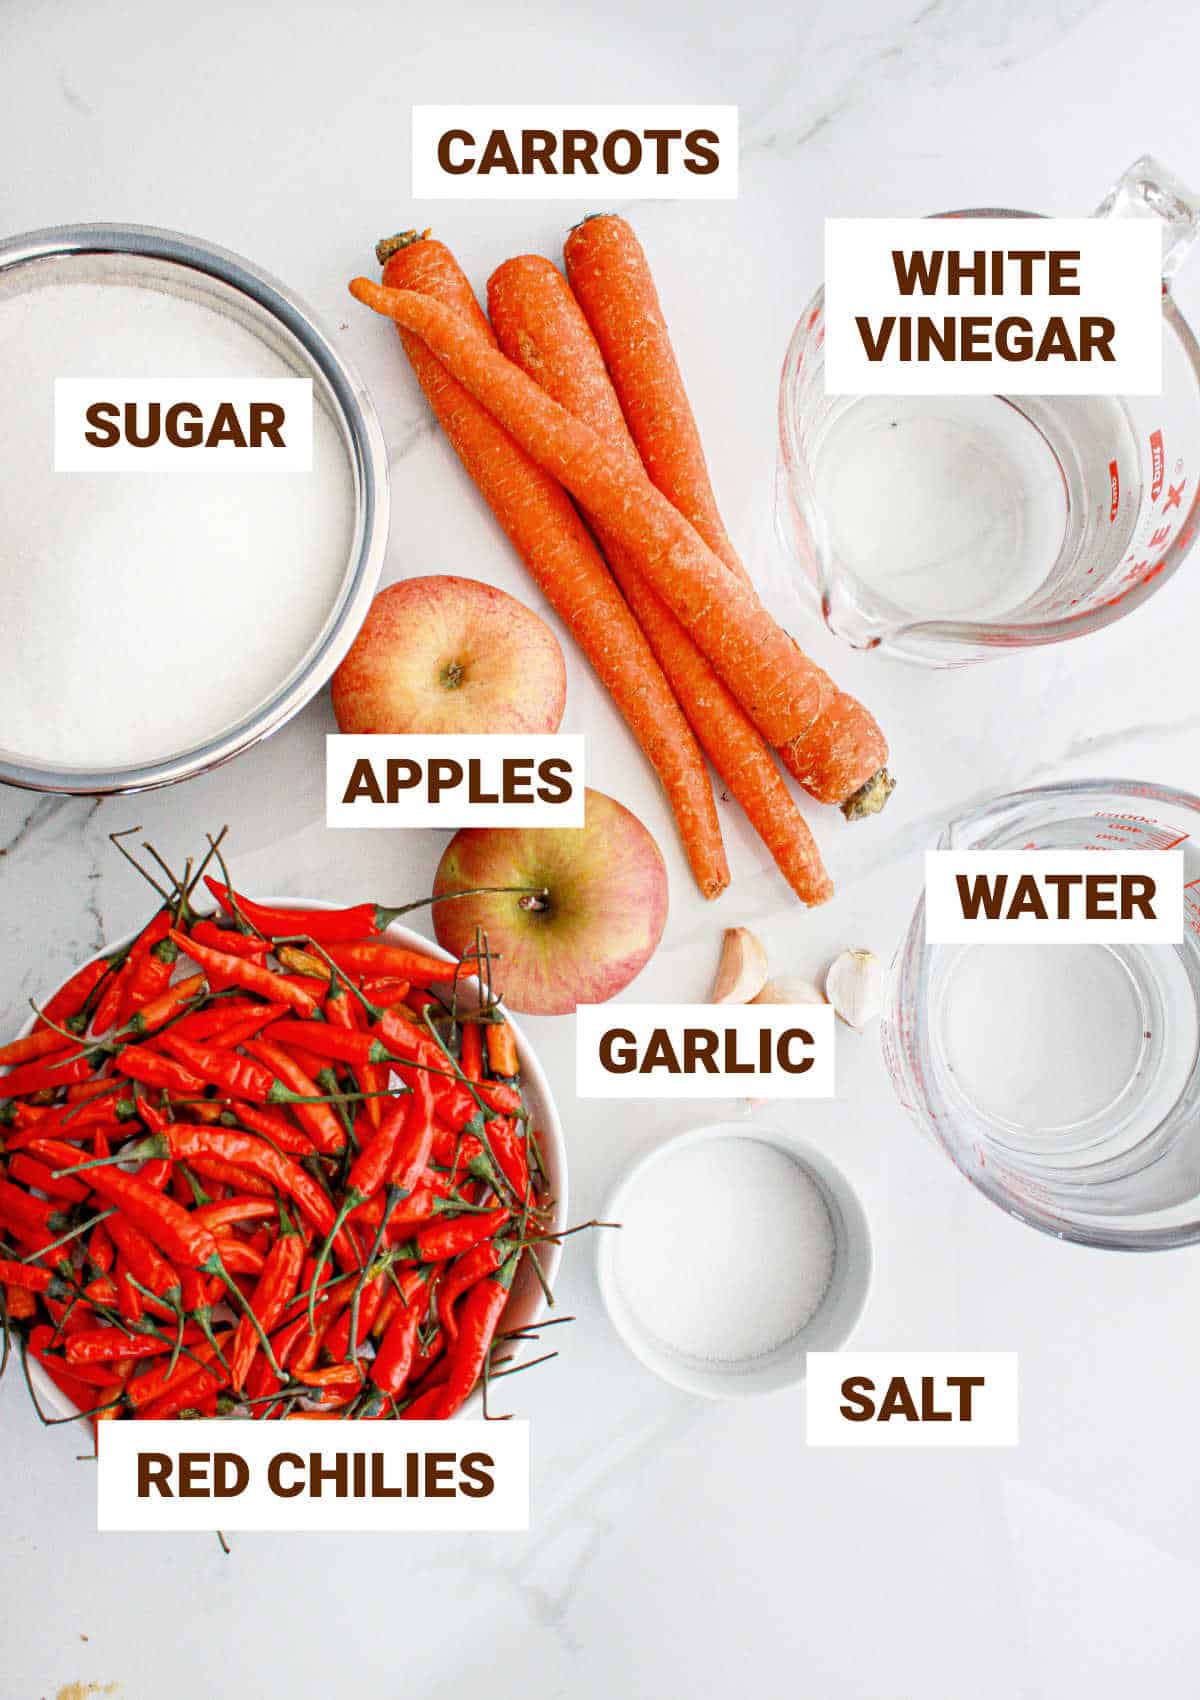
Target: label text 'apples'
[(451, 781)]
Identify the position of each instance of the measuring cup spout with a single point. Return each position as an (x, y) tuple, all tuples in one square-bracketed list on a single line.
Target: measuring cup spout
[(1149, 190)]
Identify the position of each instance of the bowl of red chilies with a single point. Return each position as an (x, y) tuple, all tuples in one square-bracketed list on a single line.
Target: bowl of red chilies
[(277, 1160)]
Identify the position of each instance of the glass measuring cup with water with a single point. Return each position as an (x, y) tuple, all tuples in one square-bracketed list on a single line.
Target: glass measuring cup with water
[(951, 528), (1064, 1079)]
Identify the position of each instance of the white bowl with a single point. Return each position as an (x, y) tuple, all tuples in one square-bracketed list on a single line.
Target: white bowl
[(527, 1305), (828, 1328)]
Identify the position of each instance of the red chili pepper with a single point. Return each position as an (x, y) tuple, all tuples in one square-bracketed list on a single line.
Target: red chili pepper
[(454, 1235), (385, 991), (413, 1148), (338, 1043), (29, 1276), (220, 1173), (153, 1069), (225, 969), (73, 994), (101, 1252), (344, 1012), (20, 1304), (276, 1286), (34, 1045), (166, 1224), (145, 1263), (216, 1017), (470, 1058), (156, 1011), (326, 926), (229, 1211), (149, 977), (395, 961), (393, 1361), (481, 1313), (185, 1389), (248, 1027), (30, 1172), (511, 1151), (195, 1144), (45, 1076), (502, 1056), (102, 1345), (226, 938), (142, 977), (224, 1068), (77, 1391), (476, 1265), (238, 1256), (337, 1340), (425, 1407), (31, 1215), (273, 1123), (317, 1120)]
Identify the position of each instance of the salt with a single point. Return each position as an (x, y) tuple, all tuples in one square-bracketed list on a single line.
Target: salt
[(725, 1250), (145, 613)]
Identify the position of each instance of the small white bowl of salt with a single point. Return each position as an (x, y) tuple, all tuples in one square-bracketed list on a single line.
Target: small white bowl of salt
[(740, 1250)]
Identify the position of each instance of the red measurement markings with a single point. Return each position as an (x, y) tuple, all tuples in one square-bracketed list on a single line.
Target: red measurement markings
[(1157, 463)]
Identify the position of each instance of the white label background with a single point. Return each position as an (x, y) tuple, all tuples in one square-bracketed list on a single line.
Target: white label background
[(994, 1407), (946, 924), (506, 1507), (430, 182), (73, 396), (454, 808), (593, 1080), (1119, 274)]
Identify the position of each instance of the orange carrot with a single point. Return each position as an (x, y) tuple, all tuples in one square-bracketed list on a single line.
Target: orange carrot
[(843, 758), (612, 282), (541, 327), (547, 533), (776, 683)]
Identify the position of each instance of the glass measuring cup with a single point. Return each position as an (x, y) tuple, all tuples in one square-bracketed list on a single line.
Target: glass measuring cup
[(951, 528), (1063, 1079)]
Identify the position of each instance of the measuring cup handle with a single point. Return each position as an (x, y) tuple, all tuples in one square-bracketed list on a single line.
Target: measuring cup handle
[(1149, 190)]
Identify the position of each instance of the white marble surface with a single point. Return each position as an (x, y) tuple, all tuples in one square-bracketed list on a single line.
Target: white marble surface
[(677, 1547)]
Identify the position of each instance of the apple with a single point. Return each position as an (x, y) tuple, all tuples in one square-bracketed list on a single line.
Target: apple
[(590, 922), (445, 654)]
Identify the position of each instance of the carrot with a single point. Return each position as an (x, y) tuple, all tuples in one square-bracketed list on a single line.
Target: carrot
[(843, 758), (541, 327), (776, 683), (612, 282), (544, 528)]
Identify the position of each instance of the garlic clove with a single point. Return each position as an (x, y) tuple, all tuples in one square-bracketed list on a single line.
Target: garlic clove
[(742, 970), (789, 989), (854, 986)]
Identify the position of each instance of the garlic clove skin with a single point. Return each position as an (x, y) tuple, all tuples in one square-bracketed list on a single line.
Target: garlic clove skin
[(742, 970), (854, 986), (789, 989)]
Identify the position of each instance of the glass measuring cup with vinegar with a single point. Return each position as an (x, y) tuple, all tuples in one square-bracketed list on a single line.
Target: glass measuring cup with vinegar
[(950, 528)]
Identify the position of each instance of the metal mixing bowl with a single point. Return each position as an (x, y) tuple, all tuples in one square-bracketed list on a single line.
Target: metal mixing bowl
[(165, 260)]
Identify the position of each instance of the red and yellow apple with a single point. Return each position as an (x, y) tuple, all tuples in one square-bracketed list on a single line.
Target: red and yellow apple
[(589, 920), (445, 654)]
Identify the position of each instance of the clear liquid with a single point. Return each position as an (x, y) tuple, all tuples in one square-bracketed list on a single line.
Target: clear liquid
[(1076, 1056), (972, 507)]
